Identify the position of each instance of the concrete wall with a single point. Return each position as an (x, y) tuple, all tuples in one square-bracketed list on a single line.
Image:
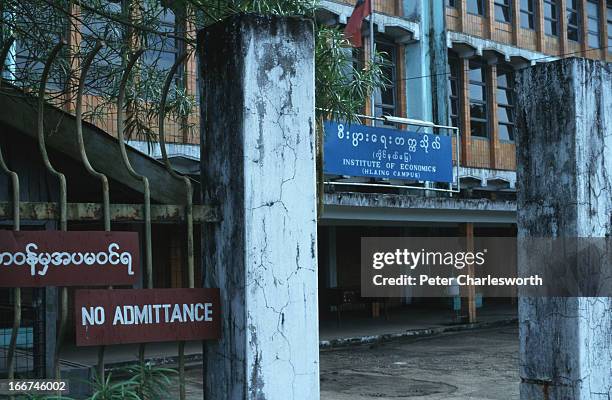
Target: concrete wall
[(258, 165), (427, 97), (565, 190)]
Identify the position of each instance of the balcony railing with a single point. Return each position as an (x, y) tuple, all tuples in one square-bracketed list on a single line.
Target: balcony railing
[(390, 7)]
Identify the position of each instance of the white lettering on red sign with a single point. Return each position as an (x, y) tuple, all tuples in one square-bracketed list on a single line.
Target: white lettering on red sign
[(149, 314), (59, 258)]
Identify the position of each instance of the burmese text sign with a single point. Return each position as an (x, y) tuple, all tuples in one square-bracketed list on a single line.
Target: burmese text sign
[(57, 258), (105, 317), (360, 150)]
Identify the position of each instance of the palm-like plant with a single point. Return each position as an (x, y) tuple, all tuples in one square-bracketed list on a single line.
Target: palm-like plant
[(342, 84), (109, 389), (152, 382)]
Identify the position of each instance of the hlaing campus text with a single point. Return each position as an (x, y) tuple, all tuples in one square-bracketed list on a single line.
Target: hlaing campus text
[(458, 260)]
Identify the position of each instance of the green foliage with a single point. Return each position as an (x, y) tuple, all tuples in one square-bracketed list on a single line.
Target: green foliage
[(109, 389), (210, 11), (342, 84), (135, 382), (152, 382)]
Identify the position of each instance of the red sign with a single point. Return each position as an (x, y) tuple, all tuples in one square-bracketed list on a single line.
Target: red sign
[(57, 258), (105, 317)]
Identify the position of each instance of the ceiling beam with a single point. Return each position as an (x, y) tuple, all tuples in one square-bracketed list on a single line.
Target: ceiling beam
[(92, 212)]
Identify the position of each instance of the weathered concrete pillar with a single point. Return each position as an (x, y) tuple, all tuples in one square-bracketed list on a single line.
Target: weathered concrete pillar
[(258, 165), (565, 178)]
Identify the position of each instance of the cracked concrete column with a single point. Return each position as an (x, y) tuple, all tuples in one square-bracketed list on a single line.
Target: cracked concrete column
[(258, 165), (565, 178)]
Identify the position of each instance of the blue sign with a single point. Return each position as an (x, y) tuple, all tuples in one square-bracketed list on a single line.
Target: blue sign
[(360, 150)]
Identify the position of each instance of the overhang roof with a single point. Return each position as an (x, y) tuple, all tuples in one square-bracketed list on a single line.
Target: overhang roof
[(376, 208), (400, 29), (19, 111), (467, 45)]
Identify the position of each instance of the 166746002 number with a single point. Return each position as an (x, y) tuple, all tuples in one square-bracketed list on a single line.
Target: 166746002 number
[(32, 386)]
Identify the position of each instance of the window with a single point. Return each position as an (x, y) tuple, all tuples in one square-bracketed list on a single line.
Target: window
[(198, 80), (476, 7), (357, 56), (527, 14), (451, 3), (163, 50), (41, 24), (551, 17), (478, 100), (505, 104), (453, 90), (105, 64), (609, 9), (593, 24), (573, 20), (385, 100), (503, 11)]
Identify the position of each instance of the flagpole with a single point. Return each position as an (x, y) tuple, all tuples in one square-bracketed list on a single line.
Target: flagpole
[(372, 51)]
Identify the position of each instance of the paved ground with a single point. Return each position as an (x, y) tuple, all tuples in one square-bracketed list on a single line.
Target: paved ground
[(194, 388), (474, 364), (478, 364), (402, 320)]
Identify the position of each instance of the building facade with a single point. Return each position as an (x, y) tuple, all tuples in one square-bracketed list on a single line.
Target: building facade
[(454, 64), (450, 62)]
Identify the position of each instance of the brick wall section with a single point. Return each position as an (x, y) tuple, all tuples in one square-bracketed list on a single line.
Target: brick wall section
[(491, 96), (458, 19), (466, 136), (491, 153)]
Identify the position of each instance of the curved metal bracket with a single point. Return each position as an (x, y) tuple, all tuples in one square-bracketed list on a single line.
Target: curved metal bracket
[(162, 114), (14, 177), (105, 188), (10, 357), (185, 179), (63, 300), (41, 133), (126, 162), (145, 181), (188, 205), (79, 129)]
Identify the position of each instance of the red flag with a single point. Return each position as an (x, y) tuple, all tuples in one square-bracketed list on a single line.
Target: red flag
[(353, 29)]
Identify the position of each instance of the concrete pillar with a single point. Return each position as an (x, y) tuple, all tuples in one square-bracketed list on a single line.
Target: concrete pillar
[(436, 37), (258, 165), (427, 57), (468, 295), (565, 178)]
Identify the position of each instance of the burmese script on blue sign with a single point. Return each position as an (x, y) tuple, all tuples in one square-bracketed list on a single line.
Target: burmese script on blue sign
[(360, 150)]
